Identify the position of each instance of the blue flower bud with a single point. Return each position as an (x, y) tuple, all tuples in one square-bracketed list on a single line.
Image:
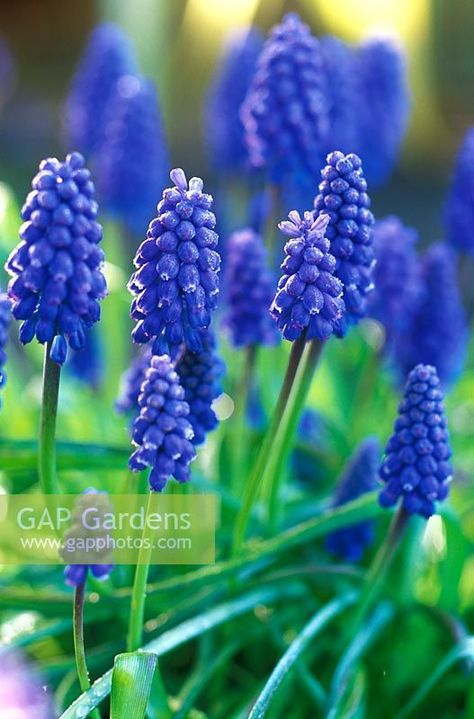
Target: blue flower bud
[(174, 297), (56, 287), (359, 477), (162, 432), (416, 468), (309, 296), (343, 198)]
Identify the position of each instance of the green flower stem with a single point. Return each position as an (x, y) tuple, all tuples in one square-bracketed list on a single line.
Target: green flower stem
[(238, 429), (137, 606), (79, 649), (49, 408), (253, 482), (273, 471), (378, 569)]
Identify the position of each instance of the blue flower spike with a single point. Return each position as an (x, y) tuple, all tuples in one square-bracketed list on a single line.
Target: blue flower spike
[(309, 295), (176, 284), (358, 478), (249, 291), (162, 433), (97, 561), (132, 163), (285, 113), (416, 468), (108, 56), (200, 375), (344, 200), (57, 268)]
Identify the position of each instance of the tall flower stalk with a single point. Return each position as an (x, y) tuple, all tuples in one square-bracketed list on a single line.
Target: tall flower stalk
[(57, 280)]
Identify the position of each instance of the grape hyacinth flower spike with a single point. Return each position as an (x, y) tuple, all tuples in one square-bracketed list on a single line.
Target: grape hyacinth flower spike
[(200, 375), (343, 198), (309, 297), (224, 128), (131, 382), (76, 574), (383, 106), (338, 60), (162, 432), (57, 267), (132, 162), (107, 56), (285, 113), (436, 330), (5, 319), (416, 468), (396, 276), (359, 477), (176, 284), (249, 291), (459, 210)]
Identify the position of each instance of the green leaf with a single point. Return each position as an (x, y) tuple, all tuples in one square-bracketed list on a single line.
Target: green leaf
[(463, 650), (342, 684), (132, 679), (296, 648), (180, 635)]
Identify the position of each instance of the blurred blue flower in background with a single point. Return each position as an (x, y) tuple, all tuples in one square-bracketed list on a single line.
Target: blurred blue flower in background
[(436, 330), (339, 63), (132, 162), (7, 71), (459, 210), (5, 319), (87, 364), (200, 375), (396, 275), (344, 200), (131, 382), (383, 106), (224, 131), (250, 288), (107, 56), (23, 693), (285, 113), (416, 466), (176, 284), (358, 477)]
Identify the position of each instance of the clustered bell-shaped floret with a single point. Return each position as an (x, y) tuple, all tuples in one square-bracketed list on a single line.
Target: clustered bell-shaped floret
[(359, 477), (309, 296), (343, 197), (416, 466), (97, 560), (57, 267), (176, 283), (162, 432), (285, 113), (250, 288), (5, 319), (200, 374)]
